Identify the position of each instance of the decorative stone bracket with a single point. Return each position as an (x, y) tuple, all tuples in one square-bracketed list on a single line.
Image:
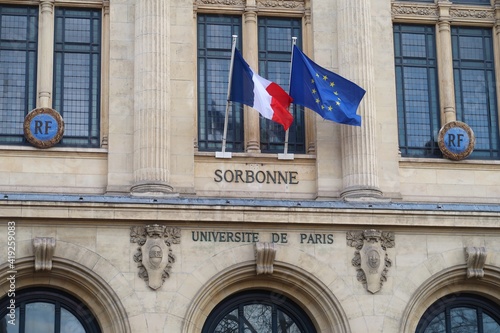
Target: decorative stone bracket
[(154, 257), (43, 248), (265, 253), (475, 258), (371, 247)]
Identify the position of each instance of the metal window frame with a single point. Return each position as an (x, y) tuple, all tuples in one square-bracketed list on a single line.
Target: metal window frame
[(434, 117), (235, 137), (297, 139), (92, 139)]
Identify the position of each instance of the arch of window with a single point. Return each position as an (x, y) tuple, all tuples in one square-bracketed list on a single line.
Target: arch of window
[(258, 311), (461, 313), (45, 310)]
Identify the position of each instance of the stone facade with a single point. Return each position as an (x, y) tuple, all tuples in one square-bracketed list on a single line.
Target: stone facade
[(74, 208)]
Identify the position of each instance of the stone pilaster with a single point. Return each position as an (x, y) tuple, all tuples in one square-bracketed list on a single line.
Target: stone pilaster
[(444, 53), (151, 113), (105, 75), (308, 47), (250, 53), (46, 55), (359, 159)]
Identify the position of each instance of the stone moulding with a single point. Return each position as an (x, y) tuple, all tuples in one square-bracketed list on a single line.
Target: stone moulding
[(488, 14), (287, 4), (43, 248), (298, 5), (475, 258), (154, 256), (399, 10), (265, 253), (413, 11), (370, 257)]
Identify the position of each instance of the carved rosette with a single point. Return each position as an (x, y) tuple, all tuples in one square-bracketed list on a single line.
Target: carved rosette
[(154, 256), (370, 257)]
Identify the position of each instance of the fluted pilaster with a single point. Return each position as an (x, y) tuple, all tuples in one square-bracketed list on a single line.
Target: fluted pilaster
[(151, 114), (359, 159), (105, 75), (252, 126), (308, 47), (46, 57)]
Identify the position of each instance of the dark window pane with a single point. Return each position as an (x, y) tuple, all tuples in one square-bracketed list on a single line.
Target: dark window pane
[(286, 324), (475, 90), (40, 317), (257, 318), (475, 2), (69, 323), (437, 325), (463, 320), (214, 57), (77, 64), (490, 325), (275, 47), (10, 327), (18, 56), (417, 90), (228, 324)]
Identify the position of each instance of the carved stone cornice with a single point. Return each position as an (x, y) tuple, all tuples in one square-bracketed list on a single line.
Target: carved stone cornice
[(281, 4), (475, 258), (415, 11), (412, 10), (218, 3), (154, 257), (370, 257), (43, 249), (265, 5), (472, 13), (265, 253)]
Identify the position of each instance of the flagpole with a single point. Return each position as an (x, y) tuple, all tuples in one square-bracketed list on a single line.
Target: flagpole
[(285, 155), (223, 153)]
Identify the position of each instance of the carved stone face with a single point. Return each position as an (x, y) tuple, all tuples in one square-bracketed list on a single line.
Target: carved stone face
[(373, 259)]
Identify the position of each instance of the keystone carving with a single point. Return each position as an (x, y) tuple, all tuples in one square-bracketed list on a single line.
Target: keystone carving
[(370, 257), (154, 256), (43, 248), (264, 257), (475, 258)]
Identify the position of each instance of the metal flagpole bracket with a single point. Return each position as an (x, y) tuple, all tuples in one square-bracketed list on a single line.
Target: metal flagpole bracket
[(286, 156), (223, 154)]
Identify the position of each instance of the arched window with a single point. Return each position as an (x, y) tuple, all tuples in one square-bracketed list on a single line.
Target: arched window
[(257, 312), (461, 313), (45, 310)]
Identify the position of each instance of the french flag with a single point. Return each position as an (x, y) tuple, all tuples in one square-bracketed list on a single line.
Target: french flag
[(263, 95)]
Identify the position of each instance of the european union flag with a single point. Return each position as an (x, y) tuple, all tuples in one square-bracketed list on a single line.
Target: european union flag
[(332, 96)]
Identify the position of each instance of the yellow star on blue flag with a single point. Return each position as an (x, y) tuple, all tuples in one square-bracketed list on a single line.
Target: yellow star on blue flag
[(330, 95)]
